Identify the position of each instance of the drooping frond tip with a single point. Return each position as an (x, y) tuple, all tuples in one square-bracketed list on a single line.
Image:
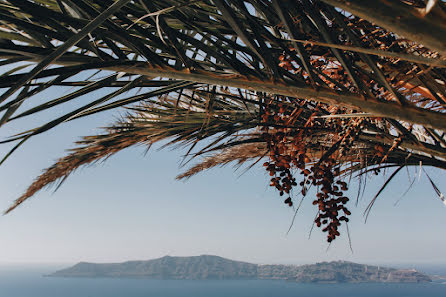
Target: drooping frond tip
[(92, 149)]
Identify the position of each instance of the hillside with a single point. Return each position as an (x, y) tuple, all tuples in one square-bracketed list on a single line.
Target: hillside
[(214, 267)]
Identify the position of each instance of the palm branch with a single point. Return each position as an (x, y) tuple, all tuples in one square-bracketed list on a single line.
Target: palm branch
[(328, 67)]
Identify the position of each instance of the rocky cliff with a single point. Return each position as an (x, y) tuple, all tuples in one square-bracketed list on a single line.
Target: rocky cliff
[(213, 267)]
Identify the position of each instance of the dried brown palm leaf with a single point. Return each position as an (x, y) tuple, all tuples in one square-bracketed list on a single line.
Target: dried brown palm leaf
[(239, 154)]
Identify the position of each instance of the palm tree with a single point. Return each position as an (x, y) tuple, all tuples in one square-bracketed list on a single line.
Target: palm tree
[(321, 88)]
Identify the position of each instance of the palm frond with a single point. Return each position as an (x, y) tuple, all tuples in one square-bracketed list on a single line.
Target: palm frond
[(180, 123), (339, 84)]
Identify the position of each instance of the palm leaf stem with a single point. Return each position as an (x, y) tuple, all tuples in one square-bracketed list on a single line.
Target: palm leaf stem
[(401, 19)]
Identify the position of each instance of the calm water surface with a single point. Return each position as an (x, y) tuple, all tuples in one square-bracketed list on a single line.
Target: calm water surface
[(30, 282)]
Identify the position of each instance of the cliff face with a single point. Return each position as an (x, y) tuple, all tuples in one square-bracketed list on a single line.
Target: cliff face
[(200, 267), (213, 267), (277, 271), (408, 276), (342, 271)]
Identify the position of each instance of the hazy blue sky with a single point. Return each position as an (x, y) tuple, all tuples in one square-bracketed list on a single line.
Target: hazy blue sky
[(132, 207)]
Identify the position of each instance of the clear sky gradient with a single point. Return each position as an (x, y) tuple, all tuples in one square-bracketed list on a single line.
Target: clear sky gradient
[(132, 208)]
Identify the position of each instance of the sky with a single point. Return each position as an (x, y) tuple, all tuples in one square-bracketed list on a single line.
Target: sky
[(132, 208)]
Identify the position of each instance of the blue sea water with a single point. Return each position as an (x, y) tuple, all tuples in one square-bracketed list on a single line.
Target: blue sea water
[(31, 283)]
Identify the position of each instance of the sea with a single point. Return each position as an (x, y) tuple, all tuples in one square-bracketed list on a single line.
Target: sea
[(25, 281)]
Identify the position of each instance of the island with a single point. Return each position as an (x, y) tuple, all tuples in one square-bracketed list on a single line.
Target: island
[(213, 267)]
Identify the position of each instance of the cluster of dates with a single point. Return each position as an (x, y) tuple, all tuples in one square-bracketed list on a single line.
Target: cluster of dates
[(285, 147), (330, 198), (288, 154)]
